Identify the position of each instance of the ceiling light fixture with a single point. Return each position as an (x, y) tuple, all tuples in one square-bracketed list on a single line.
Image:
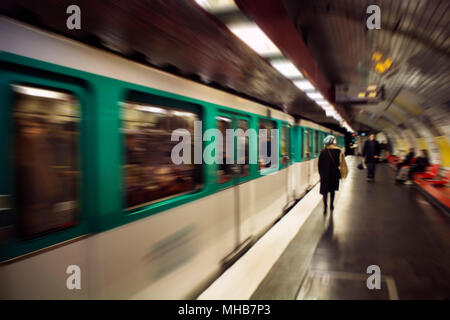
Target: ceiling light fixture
[(304, 85), (315, 95), (286, 68), (217, 6), (255, 38)]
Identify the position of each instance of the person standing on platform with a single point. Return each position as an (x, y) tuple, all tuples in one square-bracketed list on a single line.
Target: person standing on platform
[(371, 153), (332, 167)]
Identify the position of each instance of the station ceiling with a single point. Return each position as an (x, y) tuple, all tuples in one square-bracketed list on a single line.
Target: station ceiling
[(177, 36), (182, 38)]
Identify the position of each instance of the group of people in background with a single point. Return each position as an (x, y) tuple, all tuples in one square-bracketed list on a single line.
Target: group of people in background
[(405, 168), (411, 165), (332, 166)]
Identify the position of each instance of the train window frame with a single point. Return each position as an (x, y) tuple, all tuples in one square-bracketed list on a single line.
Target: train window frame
[(274, 167), (307, 141), (302, 143), (288, 145), (13, 244), (230, 181), (172, 105), (235, 117), (316, 143), (248, 151)]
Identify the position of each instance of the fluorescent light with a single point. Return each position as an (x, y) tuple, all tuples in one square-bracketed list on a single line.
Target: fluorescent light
[(151, 109), (286, 68), (183, 114), (372, 87), (361, 94), (304, 85), (224, 119), (217, 6), (253, 36), (323, 103), (40, 92), (315, 95), (372, 94)]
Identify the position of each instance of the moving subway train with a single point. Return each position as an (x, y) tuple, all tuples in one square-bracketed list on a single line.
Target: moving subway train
[(87, 179)]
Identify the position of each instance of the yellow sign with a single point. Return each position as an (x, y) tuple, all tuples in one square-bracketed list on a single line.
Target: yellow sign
[(383, 66)]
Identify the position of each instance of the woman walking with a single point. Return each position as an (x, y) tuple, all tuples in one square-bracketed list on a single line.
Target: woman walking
[(332, 167)]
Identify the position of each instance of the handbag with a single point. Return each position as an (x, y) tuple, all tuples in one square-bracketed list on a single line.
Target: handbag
[(332, 159)]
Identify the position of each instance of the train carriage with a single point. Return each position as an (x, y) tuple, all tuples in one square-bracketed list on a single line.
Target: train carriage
[(87, 178)]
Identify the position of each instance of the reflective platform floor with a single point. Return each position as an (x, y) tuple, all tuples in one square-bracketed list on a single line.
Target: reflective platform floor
[(377, 223)]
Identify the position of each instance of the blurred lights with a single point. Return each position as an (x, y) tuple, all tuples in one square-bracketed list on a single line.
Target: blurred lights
[(224, 119), (183, 114), (377, 56), (304, 85), (216, 6), (40, 92), (151, 109), (253, 36), (256, 39), (382, 67), (315, 95), (361, 94), (286, 68), (372, 87)]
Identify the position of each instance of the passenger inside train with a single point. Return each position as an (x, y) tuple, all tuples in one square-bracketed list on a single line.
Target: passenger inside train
[(240, 150)]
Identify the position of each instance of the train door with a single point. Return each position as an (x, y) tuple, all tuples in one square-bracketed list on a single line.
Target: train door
[(236, 163)]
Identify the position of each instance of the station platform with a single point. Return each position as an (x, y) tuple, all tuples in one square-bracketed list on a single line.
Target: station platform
[(307, 255)]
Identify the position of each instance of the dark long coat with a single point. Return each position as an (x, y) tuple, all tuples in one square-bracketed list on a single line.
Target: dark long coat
[(329, 170)]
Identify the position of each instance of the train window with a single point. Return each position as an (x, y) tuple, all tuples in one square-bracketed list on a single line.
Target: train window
[(316, 142), (302, 144), (150, 174), (224, 172), (307, 144), (285, 145), (244, 143), (46, 159), (266, 140)]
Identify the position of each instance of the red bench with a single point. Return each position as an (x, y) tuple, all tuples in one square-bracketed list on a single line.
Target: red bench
[(440, 181), (434, 190), (430, 173)]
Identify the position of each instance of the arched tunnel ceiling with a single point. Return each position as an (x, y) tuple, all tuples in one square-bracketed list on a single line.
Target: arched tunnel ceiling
[(414, 34)]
